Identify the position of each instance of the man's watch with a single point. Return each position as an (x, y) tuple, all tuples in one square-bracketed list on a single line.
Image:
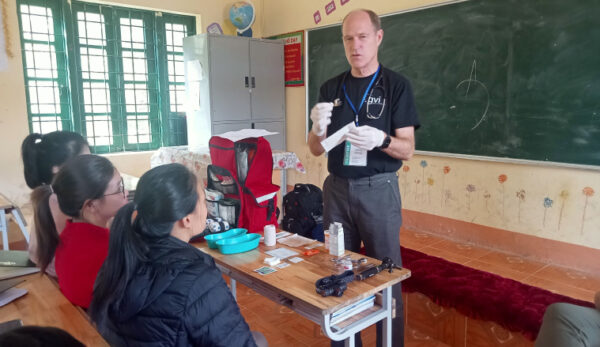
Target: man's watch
[(386, 142)]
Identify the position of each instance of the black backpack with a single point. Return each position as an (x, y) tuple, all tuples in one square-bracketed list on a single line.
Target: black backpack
[(303, 209)]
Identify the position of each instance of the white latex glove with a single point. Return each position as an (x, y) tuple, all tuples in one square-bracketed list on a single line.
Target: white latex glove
[(320, 115), (366, 137)]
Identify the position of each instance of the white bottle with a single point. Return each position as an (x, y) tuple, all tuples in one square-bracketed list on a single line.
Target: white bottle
[(336, 239), (269, 233)]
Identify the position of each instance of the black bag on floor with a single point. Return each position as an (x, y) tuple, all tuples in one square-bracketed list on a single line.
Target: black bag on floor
[(303, 210)]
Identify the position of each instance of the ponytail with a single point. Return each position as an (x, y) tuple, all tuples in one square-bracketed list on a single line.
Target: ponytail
[(43, 153), (82, 178), (46, 233), (126, 249), (29, 153)]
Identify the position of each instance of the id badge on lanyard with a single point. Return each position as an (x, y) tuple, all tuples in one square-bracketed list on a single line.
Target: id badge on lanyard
[(354, 156)]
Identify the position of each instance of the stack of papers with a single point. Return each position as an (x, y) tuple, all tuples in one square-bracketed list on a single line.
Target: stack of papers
[(8, 293), (353, 309)]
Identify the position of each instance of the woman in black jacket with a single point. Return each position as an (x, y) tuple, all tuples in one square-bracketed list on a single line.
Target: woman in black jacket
[(154, 288)]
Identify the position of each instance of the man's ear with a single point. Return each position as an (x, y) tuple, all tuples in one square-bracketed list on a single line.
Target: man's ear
[(55, 169), (379, 36)]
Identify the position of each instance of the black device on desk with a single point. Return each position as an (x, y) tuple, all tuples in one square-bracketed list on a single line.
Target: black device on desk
[(334, 284), (386, 263), (337, 284)]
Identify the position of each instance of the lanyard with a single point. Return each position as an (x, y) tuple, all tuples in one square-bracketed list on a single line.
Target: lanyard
[(363, 97)]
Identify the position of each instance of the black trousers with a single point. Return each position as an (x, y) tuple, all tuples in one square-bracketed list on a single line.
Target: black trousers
[(370, 210)]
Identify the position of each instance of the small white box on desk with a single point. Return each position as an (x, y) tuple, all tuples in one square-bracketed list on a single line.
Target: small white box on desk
[(336, 239)]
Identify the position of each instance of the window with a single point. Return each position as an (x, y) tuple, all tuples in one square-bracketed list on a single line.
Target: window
[(115, 75)]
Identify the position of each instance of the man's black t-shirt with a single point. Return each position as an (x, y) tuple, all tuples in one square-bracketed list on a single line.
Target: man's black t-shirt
[(390, 105)]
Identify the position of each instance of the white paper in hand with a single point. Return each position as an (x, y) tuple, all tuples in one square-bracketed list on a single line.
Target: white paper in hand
[(337, 137)]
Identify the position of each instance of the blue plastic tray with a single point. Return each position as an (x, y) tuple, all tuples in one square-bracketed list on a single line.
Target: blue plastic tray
[(238, 244), (213, 238)]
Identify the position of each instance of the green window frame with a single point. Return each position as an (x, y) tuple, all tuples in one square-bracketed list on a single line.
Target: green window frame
[(113, 74)]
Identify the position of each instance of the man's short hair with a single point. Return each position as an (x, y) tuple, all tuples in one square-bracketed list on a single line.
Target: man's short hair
[(372, 16)]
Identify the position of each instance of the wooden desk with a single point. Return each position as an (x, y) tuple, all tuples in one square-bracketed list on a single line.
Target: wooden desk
[(294, 287), (44, 305)]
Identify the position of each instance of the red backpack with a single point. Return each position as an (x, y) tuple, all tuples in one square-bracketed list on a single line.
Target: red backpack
[(243, 171)]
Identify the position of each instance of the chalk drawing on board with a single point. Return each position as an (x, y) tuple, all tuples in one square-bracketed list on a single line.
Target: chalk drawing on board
[(564, 195), (588, 192), (470, 189), (502, 178), (405, 169), (446, 171), (423, 165), (521, 194), (547, 204), (473, 79), (487, 196)]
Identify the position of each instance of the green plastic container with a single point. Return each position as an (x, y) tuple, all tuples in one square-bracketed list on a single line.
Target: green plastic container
[(238, 244), (213, 238)]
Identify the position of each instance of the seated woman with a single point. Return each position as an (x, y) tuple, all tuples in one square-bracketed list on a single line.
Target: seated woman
[(570, 325), (42, 157), (90, 191), (154, 287)]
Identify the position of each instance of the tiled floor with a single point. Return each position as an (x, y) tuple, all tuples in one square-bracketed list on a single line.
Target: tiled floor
[(282, 327), (554, 278)]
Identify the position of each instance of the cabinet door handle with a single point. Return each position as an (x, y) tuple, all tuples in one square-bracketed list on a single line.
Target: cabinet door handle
[(253, 82), (246, 81)]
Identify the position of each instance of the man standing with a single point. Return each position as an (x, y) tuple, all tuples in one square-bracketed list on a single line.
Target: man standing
[(362, 190)]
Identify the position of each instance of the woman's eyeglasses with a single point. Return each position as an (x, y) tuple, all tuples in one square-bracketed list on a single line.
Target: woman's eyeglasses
[(120, 191)]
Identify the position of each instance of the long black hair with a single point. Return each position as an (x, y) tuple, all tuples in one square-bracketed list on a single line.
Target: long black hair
[(164, 195), (41, 153), (81, 178)]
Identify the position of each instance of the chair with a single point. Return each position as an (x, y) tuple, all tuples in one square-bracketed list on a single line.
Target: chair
[(6, 207)]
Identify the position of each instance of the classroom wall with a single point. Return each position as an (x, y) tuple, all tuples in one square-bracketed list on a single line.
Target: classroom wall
[(13, 111), (535, 210)]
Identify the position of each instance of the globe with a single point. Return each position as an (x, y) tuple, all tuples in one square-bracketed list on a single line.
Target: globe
[(241, 15)]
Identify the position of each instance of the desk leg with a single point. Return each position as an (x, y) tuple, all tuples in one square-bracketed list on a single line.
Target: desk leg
[(349, 342), (232, 285), (4, 230), (283, 187), (387, 321)]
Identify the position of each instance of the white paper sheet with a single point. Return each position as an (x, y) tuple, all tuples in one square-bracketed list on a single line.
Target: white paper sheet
[(281, 253), (245, 133), (337, 137), (295, 241), (11, 294), (195, 72)]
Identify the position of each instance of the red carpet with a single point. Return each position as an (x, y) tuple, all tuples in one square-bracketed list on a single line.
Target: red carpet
[(480, 295)]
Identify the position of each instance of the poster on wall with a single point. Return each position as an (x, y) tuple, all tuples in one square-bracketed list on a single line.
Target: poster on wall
[(293, 52)]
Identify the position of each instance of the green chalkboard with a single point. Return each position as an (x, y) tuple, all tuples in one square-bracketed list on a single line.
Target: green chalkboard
[(502, 78)]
